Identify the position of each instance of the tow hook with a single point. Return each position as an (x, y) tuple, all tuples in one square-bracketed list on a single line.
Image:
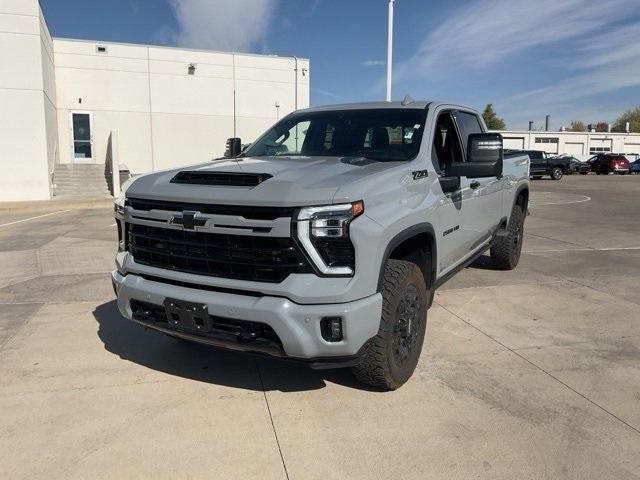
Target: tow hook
[(143, 314), (246, 336)]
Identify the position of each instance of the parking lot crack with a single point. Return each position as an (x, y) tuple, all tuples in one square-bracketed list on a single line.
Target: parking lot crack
[(538, 367), (273, 427)]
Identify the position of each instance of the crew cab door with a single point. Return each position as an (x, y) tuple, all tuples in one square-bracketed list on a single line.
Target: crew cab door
[(485, 195), (464, 211)]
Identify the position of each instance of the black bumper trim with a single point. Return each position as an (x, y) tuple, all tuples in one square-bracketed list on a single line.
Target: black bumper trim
[(264, 348)]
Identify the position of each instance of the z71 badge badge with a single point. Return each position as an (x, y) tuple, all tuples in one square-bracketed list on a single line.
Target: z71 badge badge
[(418, 174)]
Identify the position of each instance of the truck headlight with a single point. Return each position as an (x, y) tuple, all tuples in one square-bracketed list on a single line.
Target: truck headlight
[(119, 205), (324, 234)]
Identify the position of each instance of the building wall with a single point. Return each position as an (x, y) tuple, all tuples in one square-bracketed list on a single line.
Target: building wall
[(164, 116), (26, 96), (49, 91), (582, 145)]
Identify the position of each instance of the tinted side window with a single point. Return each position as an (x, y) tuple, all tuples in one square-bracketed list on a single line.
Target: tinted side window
[(446, 147), (468, 124)]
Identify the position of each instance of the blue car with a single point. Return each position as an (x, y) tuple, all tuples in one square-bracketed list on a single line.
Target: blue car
[(634, 167)]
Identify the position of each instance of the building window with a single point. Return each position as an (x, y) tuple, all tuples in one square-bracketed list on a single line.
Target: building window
[(595, 150), (546, 140)]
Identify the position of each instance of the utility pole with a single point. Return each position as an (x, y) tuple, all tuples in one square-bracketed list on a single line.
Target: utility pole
[(389, 49)]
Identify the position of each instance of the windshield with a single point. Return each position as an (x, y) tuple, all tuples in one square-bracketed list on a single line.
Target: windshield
[(384, 135)]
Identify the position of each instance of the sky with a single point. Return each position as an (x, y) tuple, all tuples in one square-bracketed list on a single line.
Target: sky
[(571, 59)]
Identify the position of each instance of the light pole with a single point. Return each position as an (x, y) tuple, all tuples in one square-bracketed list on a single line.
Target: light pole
[(389, 49)]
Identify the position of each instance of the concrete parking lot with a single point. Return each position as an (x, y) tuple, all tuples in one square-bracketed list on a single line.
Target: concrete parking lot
[(527, 374)]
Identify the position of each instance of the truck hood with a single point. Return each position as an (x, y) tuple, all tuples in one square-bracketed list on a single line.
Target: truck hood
[(289, 181)]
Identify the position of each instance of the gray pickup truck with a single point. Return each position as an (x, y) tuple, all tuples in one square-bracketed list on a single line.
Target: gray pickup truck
[(325, 240)]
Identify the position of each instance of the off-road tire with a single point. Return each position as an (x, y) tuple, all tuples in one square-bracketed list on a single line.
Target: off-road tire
[(556, 173), (505, 251), (404, 312)]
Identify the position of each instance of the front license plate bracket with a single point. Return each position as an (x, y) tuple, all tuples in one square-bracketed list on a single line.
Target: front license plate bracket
[(188, 316)]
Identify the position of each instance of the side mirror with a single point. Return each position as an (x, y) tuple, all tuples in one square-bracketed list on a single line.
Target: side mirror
[(234, 147), (484, 157)]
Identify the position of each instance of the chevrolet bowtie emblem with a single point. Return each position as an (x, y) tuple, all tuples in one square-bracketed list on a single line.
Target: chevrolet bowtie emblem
[(189, 220)]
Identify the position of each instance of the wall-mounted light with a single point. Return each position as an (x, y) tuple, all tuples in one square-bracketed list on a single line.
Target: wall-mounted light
[(192, 69), (304, 72)]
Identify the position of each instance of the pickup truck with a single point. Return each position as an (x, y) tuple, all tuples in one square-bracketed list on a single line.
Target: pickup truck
[(323, 241), (544, 164)]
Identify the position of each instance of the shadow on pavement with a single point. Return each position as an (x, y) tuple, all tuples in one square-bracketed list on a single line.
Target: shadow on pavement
[(163, 353), (483, 262)]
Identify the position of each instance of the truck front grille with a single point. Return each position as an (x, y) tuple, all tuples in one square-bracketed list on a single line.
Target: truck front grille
[(243, 257), (249, 212)]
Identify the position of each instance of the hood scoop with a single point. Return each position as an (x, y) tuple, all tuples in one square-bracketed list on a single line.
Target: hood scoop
[(225, 179)]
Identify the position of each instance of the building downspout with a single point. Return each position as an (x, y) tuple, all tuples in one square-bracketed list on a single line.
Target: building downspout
[(233, 62), (153, 162), (295, 105)]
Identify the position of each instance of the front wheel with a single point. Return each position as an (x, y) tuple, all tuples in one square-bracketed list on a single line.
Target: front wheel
[(505, 251), (390, 358), (556, 173)]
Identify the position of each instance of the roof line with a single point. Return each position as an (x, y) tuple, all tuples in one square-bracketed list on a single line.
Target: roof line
[(172, 47)]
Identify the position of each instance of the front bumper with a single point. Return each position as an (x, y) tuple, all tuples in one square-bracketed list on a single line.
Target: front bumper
[(297, 326)]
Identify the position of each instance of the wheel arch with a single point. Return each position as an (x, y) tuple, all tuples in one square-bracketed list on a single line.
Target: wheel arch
[(416, 244), (522, 197)]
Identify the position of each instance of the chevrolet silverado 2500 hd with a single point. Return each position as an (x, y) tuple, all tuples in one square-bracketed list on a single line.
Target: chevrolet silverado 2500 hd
[(325, 240)]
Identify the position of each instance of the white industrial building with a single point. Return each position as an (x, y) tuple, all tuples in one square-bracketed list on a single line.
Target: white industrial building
[(581, 145), (61, 100)]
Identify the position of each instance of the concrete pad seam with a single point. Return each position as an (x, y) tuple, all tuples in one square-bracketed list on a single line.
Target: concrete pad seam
[(557, 240), (570, 344), (581, 249), (275, 433), (600, 291), (86, 388), (560, 280), (20, 328), (549, 374)]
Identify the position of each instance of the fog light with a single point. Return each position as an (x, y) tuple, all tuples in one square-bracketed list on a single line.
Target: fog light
[(331, 328)]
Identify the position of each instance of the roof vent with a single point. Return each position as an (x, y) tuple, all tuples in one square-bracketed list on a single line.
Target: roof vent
[(224, 179)]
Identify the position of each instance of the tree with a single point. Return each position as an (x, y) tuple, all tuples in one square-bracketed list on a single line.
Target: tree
[(491, 119), (577, 126), (632, 116), (601, 127)]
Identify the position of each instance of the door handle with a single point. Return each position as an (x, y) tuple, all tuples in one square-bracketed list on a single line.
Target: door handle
[(475, 184)]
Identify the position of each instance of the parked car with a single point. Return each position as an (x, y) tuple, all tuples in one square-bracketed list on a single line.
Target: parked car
[(544, 164), (576, 166), (324, 241), (605, 163), (634, 167)]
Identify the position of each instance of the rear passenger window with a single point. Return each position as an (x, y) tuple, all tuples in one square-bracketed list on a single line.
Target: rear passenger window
[(467, 124)]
